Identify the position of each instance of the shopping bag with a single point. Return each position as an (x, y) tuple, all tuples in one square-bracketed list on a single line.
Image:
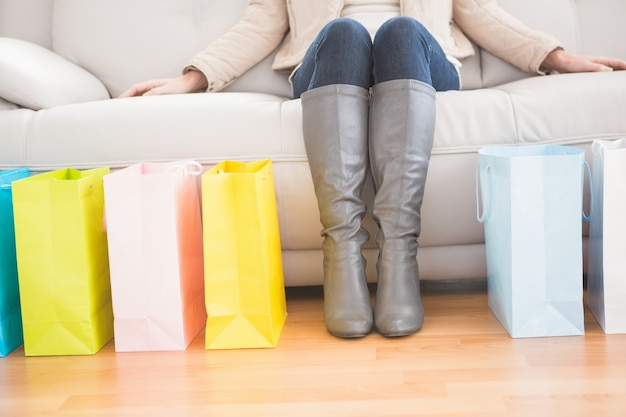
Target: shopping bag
[(11, 335), (154, 230), (606, 266), (244, 285), (62, 262), (532, 199)]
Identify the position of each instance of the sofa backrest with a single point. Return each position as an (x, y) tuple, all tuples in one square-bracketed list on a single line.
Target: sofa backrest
[(127, 41), (30, 20)]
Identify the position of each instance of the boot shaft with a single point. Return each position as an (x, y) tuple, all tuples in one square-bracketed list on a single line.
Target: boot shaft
[(402, 127), (335, 126)]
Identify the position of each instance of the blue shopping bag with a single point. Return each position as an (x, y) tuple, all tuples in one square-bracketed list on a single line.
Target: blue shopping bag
[(532, 199), (11, 335)]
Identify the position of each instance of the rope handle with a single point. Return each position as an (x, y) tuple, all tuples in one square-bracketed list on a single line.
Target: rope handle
[(588, 217), (188, 168), (481, 217)]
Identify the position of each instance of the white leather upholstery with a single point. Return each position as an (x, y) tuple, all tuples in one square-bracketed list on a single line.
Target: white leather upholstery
[(122, 42), (36, 78)]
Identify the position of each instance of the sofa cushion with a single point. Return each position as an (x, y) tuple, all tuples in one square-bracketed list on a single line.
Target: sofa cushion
[(120, 132), (13, 132), (34, 77)]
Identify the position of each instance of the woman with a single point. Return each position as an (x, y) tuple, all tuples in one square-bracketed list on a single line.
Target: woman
[(367, 72)]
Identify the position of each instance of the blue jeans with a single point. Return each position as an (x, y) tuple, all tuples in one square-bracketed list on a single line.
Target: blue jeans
[(343, 53)]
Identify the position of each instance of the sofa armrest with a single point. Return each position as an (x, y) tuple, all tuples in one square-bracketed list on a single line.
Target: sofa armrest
[(34, 77)]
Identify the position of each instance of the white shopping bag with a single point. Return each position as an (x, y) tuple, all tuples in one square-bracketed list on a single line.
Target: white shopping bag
[(606, 275)]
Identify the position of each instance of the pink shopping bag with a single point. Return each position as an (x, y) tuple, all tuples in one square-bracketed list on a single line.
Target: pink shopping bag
[(154, 230)]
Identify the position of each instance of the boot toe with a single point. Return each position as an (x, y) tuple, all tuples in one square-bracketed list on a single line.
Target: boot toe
[(399, 324), (349, 326)]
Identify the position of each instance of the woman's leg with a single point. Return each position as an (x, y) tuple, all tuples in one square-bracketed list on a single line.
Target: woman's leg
[(404, 49), (341, 54), (407, 63), (333, 82)]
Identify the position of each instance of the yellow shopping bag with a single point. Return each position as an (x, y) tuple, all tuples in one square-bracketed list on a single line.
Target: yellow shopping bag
[(244, 285), (62, 262)]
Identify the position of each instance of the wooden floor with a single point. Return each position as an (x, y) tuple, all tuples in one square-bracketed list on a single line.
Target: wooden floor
[(462, 363)]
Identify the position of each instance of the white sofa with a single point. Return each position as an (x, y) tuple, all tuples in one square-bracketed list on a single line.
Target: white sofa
[(56, 111)]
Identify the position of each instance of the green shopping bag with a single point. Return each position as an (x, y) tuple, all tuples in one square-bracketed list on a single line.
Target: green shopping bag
[(62, 261)]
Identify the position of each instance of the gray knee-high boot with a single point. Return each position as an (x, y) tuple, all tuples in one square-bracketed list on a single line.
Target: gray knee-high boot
[(335, 127), (402, 122)]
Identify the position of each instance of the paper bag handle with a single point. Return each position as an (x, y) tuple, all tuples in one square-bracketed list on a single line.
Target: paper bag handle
[(481, 217), (188, 168), (588, 217)]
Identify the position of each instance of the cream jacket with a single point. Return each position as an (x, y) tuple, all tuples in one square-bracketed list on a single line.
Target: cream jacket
[(292, 25)]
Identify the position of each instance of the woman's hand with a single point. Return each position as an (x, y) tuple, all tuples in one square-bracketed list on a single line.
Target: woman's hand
[(563, 62), (190, 82)]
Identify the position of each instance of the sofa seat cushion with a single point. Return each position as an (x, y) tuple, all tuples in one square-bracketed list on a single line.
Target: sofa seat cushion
[(569, 108), (119, 132), (15, 124)]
